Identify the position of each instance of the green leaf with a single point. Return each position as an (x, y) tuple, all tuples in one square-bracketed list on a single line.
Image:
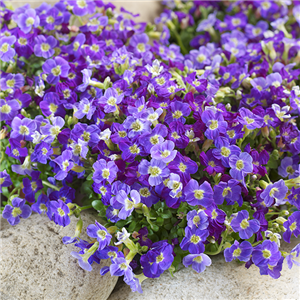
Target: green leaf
[(97, 204)]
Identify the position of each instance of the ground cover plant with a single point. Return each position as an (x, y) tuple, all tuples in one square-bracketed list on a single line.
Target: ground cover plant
[(183, 135)]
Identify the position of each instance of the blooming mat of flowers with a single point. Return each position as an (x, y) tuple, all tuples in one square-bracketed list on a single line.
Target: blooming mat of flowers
[(185, 140)]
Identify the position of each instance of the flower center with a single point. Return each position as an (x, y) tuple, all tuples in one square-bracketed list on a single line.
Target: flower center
[(165, 153), (16, 152), (175, 135), (24, 130), (61, 212), (122, 134), (112, 101), (136, 126), (226, 191), (198, 194), (101, 234), (10, 83), (225, 152), (33, 185), (123, 266), (144, 192), (4, 48), (237, 252), (65, 165), (16, 211), (266, 253), (198, 259), (196, 220), (53, 108), (141, 47), (76, 46), (29, 21), (81, 3), (50, 20), (6, 109), (273, 191), (22, 41), (293, 226), (134, 149), (160, 258), (244, 224), (201, 58), (43, 207), (105, 173), (154, 171), (45, 47), (213, 125), (182, 167), (195, 239), (177, 114), (56, 71), (239, 164)]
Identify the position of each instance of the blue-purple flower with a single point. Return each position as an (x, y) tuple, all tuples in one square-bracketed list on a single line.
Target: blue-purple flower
[(274, 193), (100, 233), (240, 165), (199, 261), (5, 180), (16, 210), (241, 251), (198, 195), (60, 212)]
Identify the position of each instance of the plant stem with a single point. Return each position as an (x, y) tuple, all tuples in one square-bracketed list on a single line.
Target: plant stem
[(54, 187), (85, 207)]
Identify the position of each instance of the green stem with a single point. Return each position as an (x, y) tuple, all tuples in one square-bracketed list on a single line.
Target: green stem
[(2, 157), (217, 251), (179, 41), (255, 244), (267, 176), (85, 207), (13, 191), (54, 187)]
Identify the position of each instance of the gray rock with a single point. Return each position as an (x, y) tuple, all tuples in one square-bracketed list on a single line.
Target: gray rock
[(36, 265), (219, 281)]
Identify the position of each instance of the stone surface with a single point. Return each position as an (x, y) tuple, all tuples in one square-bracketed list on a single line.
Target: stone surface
[(148, 9), (219, 281), (36, 265)]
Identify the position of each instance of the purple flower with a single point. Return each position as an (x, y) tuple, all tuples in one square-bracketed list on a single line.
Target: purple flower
[(143, 239), (8, 109), (292, 226), (215, 124), (83, 7), (288, 168), (197, 219), (193, 240), (198, 195), (12, 81), (104, 171), (208, 23), (84, 108), (28, 20), (44, 47), (60, 212), (246, 228), (32, 186), (120, 267), (136, 126), (238, 251), (6, 51), (266, 254), (65, 164), (110, 100), (174, 185), (156, 169), (177, 112), (240, 165), (5, 180), (22, 129), (250, 120), (199, 262), (158, 259), (164, 151), (290, 259), (100, 233), (56, 68), (18, 209), (274, 192), (223, 153), (125, 204), (43, 205), (231, 191), (52, 18)]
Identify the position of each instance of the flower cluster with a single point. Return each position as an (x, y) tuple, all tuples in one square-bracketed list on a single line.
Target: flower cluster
[(186, 141)]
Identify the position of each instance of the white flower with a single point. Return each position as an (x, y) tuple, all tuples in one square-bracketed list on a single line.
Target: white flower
[(122, 236)]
